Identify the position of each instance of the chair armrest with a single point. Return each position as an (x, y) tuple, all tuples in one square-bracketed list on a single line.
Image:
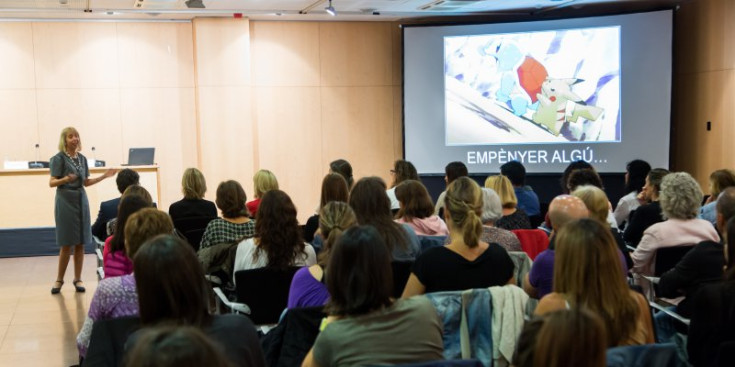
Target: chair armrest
[(630, 248), (653, 280), (673, 314), (100, 273), (234, 306)]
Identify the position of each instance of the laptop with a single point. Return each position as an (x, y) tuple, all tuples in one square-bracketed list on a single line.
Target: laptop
[(140, 156)]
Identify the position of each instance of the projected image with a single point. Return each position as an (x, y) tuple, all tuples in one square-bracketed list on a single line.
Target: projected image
[(535, 87)]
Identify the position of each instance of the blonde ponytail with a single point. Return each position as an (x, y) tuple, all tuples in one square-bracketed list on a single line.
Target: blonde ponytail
[(463, 201)]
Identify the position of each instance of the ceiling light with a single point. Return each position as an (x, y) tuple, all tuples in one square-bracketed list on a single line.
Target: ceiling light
[(330, 9), (194, 4)]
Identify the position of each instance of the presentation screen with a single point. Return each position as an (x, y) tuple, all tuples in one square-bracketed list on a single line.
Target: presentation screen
[(543, 93)]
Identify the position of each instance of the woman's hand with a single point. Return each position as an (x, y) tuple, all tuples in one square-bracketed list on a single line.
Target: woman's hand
[(109, 173), (71, 177)]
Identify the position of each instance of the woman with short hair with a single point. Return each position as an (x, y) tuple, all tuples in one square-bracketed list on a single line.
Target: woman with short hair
[(278, 241), (680, 198), (492, 210), (235, 223), (466, 262), (343, 168), (588, 273), (598, 205), (365, 326), (417, 210), (718, 181), (263, 181), (649, 213), (636, 172), (193, 205), (513, 217)]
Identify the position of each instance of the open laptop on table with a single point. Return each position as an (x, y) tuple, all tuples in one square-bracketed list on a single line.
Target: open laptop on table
[(140, 156)]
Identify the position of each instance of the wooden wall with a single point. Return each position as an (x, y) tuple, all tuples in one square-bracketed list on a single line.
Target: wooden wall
[(229, 96), (704, 83)]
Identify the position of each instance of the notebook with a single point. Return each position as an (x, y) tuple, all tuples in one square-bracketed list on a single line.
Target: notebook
[(140, 156)]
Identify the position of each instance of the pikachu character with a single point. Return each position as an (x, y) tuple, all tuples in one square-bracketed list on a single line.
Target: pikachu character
[(559, 104)]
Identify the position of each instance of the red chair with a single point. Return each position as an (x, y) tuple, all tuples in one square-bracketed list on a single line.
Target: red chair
[(533, 241)]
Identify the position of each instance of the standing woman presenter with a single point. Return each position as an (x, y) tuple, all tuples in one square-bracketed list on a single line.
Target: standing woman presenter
[(69, 175)]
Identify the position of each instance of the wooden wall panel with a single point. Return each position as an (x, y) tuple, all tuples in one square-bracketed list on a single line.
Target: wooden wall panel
[(76, 55), (163, 118), (290, 141), (357, 125), (355, 54), (285, 53), (16, 48), (226, 137), (95, 113), (396, 53), (222, 51), (704, 34), (155, 55), (19, 121)]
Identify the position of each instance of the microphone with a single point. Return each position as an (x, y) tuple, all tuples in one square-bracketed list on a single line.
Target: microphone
[(38, 154), (94, 155)]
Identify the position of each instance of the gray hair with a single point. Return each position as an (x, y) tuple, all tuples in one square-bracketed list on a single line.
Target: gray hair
[(492, 208), (680, 196)]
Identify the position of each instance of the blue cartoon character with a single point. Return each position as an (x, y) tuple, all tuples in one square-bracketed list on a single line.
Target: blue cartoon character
[(521, 78)]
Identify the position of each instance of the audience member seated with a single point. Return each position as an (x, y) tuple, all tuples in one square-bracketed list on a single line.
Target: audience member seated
[(402, 171), (235, 222), (263, 181), (193, 205), (589, 177), (365, 326), (131, 190), (576, 165), (513, 217), (713, 317), (466, 262), (116, 297), (597, 204), (308, 287), (562, 210), (115, 261), (635, 178), (680, 198), (564, 338), (179, 296), (343, 168), (372, 207), (278, 242), (703, 264), (587, 273), (172, 346), (334, 188), (452, 171), (649, 213), (718, 181), (108, 209), (417, 210), (527, 198)]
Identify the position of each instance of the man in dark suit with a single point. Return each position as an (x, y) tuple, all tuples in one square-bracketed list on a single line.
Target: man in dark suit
[(108, 209)]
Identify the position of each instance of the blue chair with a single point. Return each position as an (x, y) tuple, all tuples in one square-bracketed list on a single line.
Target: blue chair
[(428, 242), (649, 355)]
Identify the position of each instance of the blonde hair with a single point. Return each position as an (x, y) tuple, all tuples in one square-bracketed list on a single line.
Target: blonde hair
[(144, 225), (334, 218), (193, 184), (595, 200), (264, 181), (463, 202), (62, 139), (588, 272), (504, 189)]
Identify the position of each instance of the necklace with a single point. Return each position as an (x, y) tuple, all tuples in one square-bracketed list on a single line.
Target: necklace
[(75, 161)]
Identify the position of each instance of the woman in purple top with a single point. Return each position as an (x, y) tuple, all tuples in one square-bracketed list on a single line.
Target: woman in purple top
[(308, 288), (116, 297)]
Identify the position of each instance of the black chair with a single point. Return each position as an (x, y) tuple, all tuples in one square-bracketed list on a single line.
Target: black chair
[(262, 293), (401, 272), (428, 242), (192, 226), (289, 342), (107, 342), (668, 257)]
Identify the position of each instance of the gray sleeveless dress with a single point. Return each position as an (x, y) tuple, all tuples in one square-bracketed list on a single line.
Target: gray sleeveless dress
[(71, 209)]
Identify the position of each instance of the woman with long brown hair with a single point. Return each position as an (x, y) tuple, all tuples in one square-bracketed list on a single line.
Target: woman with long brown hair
[(466, 262), (588, 273), (417, 210), (278, 242), (334, 188)]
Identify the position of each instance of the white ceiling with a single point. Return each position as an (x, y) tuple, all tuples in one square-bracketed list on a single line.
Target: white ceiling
[(295, 9)]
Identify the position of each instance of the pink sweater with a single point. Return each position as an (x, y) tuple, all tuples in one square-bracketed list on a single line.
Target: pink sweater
[(115, 263), (429, 226), (670, 233)]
